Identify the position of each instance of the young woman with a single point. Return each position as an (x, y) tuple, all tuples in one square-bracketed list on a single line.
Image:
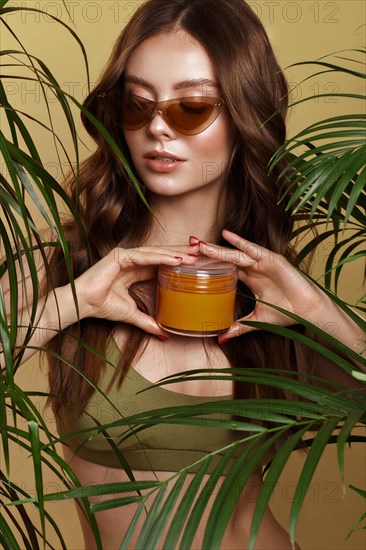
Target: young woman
[(204, 172)]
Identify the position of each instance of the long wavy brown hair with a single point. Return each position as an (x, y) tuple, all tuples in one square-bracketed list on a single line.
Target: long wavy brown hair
[(113, 214)]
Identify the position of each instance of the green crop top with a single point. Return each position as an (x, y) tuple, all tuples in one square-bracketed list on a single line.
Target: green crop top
[(167, 447)]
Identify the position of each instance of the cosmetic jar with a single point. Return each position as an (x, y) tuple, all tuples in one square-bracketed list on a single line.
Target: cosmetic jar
[(196, 300)]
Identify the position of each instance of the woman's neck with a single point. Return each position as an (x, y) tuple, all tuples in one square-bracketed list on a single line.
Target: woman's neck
[(176, 218)]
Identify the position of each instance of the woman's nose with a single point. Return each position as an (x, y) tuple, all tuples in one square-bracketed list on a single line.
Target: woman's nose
[(157, 125)]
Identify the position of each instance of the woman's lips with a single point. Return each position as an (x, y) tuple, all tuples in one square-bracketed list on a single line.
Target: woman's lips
[(163, 165), (162, 162)]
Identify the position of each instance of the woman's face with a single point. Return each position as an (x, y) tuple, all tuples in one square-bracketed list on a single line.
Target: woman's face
[(168, 66)]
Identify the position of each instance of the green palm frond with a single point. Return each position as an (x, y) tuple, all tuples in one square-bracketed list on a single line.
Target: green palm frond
[(358, 525), (326, 174), (324, 411), (24, 182), (332, 413)]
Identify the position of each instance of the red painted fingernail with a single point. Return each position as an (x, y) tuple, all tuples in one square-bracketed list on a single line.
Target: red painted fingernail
[(194, 244), (193, 255), (178, 258), (194, 238), (223, 341), (203, 242), (164, 338)]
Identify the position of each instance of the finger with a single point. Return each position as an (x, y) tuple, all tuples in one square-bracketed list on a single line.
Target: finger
[(223, 254), (185, 248), (135, 256), (146, 273), (236, 329), (249, 248), (125, 281), (146, 323), (170, 249)]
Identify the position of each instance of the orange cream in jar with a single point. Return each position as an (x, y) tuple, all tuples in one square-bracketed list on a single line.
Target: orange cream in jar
[(198, 299)]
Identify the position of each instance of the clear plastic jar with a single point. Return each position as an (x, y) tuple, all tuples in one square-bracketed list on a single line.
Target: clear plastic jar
[(196, 300)]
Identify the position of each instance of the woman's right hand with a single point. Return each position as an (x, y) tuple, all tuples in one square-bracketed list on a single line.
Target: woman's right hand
[(102, 291)]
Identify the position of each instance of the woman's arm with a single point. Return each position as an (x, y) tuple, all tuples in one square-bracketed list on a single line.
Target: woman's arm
[(273, 280), (102, 292)]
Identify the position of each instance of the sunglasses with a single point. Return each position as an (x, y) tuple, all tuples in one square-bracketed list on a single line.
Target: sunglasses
[(187, 115)]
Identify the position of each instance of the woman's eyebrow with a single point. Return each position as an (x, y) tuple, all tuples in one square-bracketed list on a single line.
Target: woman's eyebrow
[(194, 83), (190, 83), (132, 79)]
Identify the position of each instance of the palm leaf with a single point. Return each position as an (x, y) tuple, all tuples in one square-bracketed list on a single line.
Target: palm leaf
[(143, 540), (164, 515), (316, 450), (7, 537), (36, 455), (358, 526), (231, 489), (125, 545), (355, 239), (11, 491), (326, 165), (343, 436), (276, 467), (11, 9), (180, 517), (201, 503)]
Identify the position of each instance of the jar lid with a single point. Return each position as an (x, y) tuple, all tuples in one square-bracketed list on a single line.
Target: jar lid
[(206, 275), (204, 267)]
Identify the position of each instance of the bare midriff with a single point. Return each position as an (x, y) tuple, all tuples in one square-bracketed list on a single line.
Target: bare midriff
[(114, 523)]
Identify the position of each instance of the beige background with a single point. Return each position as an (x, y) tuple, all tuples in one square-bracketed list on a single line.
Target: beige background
[(300, 30)]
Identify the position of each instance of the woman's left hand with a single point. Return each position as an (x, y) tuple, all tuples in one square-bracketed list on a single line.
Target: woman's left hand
[(272, 279)]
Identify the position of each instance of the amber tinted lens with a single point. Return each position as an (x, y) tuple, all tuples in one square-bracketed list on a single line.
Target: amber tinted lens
[(135, 112), (188, 116)]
